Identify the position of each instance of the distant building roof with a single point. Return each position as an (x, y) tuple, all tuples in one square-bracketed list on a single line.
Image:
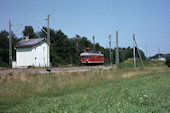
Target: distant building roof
[(157, 56), (29, 42)]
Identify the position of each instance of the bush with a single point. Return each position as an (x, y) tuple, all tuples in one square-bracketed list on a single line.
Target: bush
[(31, 66), (168, 62), (156, 63), (130, 63)]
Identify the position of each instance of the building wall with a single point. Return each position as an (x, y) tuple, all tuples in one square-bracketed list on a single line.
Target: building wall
[(162, 59), (32, 56)]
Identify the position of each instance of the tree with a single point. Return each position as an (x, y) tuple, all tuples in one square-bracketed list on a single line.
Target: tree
[(29, 31), (64, 50), (4, 48), (42, 33), (167, 62), (14, 42)]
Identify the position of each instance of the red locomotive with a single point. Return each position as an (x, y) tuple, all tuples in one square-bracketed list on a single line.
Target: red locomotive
[(89, 57)]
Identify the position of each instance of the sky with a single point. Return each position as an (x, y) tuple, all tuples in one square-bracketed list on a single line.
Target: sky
[(149, 20)]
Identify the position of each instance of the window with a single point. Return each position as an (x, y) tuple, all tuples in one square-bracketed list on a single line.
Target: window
[(82, 57), (35, 59), (86, 57), (92, 57)]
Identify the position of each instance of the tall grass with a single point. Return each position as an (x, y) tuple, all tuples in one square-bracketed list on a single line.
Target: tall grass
[(17, 88), (152, 63), (29, 85), (114, 90)]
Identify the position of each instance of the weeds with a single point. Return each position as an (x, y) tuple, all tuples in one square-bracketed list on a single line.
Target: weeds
[(30, 84), (116, 87)]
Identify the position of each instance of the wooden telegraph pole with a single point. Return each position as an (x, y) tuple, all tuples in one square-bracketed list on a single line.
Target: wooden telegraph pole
[(134, 52), (138, 52), (117, 49), (93, 43), (48, 42), (10, 45), (110, 50)]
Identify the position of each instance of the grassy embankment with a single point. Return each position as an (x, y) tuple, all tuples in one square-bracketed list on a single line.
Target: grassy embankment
[(120, 89)]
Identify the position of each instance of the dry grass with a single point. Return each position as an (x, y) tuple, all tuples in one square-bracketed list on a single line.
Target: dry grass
[(29, 84), (146, 71)]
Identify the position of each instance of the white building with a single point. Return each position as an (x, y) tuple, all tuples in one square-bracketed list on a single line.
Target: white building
[(31, 52), (161, 58)]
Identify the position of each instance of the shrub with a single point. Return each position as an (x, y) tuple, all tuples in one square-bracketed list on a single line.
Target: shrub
[(156, 63), (31, 66), (168, 62)]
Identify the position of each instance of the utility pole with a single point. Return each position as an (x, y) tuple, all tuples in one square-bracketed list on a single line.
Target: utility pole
[(93, 43), (48, 42), (110, 50), (138, 53), (134, 51), (159, 53), (117, 49), (10, 45), (146, 52)]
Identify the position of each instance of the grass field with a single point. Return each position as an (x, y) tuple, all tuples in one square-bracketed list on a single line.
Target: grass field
[(115, 90)]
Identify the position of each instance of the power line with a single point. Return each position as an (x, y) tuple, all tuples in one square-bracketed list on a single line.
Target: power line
[(41, 28), (146, 51), (18, 28)]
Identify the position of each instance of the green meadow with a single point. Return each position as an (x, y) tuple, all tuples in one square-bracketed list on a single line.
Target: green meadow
[(117, 90)]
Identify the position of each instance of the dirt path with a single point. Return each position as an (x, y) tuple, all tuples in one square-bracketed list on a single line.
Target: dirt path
[(23, 71)]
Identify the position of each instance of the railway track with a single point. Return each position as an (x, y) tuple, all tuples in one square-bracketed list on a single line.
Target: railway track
[(23, 71)]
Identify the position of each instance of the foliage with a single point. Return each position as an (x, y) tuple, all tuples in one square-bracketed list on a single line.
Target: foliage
[(29, 31), (63, 50), (129, 63), (156, 63), (4, 48), (126, 53), (152, 63), (4, 51), (168, 62)]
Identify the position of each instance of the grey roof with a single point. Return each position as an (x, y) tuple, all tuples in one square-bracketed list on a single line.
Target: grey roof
[(29, 43), (91, 54)]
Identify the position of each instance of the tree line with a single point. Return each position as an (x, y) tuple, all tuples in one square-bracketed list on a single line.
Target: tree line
[(63, 50)]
